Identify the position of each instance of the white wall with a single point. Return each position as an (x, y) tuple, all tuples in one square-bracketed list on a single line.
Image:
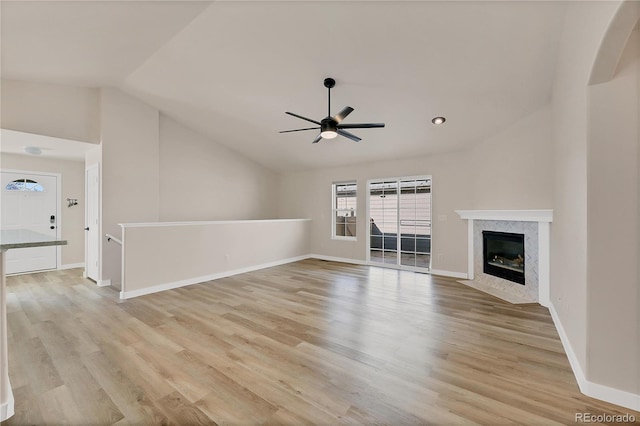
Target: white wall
[(154, 168), (595, 237), (585, 25), (613, 298), (72, 218), (53, 110), (510, 170), (308, 194), (130, 172), (204, 180), (93, 156), (514, 168)]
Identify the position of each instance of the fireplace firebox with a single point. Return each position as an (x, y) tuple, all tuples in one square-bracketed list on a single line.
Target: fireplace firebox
[(503, 254)]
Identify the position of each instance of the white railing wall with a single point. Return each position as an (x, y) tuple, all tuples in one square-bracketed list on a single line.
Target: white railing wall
[(164, 255)]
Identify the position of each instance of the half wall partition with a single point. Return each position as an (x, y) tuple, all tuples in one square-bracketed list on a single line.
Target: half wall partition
[(165, 255)]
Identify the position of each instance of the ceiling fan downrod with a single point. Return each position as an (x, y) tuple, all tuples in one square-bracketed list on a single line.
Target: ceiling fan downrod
[(329, 83)]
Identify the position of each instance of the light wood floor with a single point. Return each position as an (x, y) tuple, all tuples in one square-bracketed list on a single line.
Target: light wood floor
[(406, 259), (311, 342)]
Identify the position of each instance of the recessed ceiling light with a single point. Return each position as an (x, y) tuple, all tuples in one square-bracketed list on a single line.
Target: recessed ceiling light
[(33, 150), (438, 120)]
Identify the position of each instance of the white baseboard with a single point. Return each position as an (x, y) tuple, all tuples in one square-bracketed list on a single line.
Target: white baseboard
[(103, 283), (594, 390), (440, 272), (337, 259), (568, 349), (362, 262), (204, 278), (7, 408), (72, 266), (614, 396)]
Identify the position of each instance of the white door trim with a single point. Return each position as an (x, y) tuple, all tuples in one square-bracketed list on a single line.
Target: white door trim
[(58, 177), (86, 217)]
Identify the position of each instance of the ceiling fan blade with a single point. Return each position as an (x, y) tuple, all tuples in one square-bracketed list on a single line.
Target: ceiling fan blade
[(303, 118), (316, 140), (360, 126), (299, 130), (343, 114), (349, 135)]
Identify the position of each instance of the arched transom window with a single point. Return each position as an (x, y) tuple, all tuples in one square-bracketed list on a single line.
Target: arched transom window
[(24, 185)]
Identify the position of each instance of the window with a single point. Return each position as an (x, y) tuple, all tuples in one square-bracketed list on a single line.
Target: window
[(24, 185), (344, 210)]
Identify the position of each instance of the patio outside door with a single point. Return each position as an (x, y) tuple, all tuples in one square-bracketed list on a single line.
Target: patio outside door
[(400, 222)]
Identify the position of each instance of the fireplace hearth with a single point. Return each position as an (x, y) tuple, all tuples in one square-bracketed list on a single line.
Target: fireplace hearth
[(503, 255)]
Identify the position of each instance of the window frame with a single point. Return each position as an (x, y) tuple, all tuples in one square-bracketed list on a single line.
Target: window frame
[(335, 210)]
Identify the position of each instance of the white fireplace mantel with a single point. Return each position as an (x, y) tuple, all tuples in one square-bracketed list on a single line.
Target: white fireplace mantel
[(542, 217), (515, 215)]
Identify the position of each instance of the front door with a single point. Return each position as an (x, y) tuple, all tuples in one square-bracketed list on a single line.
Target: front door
[(30, 201)]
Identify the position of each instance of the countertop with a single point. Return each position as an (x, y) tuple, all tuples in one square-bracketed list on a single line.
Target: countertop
[(23, 238)]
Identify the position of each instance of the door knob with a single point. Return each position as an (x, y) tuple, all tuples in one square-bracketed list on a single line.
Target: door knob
[(86, 229), (52, 227)]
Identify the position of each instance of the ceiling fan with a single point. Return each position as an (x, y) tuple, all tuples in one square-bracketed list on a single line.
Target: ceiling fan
[(330, 127)]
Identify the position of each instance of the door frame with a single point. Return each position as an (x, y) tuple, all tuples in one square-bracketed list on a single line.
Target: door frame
[(58, 177), (86, 216), (368, 227)]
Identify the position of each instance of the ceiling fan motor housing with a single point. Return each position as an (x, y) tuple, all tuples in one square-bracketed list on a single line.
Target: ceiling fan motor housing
[(328, 124)]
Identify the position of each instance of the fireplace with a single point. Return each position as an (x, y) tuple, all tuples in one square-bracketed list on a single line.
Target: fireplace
[(503, 255), (535, 225)]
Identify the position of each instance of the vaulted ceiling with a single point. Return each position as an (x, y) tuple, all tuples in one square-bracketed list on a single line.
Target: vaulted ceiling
[(231, 69)]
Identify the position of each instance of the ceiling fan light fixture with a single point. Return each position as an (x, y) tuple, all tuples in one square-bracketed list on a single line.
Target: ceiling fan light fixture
[(328, 134), (328, 128), (438, 120)]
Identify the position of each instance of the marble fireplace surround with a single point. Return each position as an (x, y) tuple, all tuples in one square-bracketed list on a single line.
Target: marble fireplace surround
[(535, 225)]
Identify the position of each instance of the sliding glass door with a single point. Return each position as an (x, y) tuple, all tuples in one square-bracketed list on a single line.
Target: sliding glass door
[(400, 222)]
